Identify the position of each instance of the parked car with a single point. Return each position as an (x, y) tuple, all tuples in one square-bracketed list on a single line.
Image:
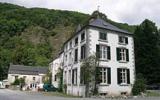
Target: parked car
[(2, 86), (49, 87), (153, 87)]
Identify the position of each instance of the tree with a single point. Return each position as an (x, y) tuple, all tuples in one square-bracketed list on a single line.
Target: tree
[(139, 85), (60, 81), (89, 74), (147, 52)]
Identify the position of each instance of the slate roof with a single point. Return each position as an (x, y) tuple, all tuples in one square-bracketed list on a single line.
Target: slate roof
[(100, 23), (27, 70)]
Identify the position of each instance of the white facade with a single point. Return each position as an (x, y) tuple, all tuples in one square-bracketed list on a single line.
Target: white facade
[(116, 60), (29, 79), (55, 65)]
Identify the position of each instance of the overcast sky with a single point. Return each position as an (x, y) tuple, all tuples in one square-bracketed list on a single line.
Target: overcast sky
[(125, 11)]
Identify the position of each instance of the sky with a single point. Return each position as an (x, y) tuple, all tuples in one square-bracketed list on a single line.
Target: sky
[(132, 12)]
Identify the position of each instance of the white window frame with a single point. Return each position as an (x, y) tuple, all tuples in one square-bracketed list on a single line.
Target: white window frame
[(100, 36), (123, 54), (123, 40), (123, 76), (103, 52), (104, 74)]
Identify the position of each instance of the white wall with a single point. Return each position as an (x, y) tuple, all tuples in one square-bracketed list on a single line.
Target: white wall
[(112, 37), (92, 38), (28, 79)]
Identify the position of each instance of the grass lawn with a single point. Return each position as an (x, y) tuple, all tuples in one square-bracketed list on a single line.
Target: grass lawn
[(153, 93)]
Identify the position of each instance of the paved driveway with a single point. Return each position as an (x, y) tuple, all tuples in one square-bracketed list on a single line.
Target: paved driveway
[(6, 94)]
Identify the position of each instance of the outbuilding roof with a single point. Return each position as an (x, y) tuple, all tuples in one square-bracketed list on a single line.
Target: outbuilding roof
[(27, 70)]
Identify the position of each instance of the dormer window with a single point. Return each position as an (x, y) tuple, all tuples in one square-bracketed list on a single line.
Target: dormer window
[(123, 40), (103, 36), (70, 44), (82, 37), (76, 41)]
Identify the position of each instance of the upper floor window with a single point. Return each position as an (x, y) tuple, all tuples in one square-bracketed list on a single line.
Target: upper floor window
[(70, 45), (122, 54), (66, 57), (70, 57), (123, 40), (76, 55), (105, 75), (123, 76), (66, 47), (102, 36), (82, 36), (83, 51), (76, 41), (103, 52)]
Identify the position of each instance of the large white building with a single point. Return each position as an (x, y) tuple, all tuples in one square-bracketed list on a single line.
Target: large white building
[(116, 55)]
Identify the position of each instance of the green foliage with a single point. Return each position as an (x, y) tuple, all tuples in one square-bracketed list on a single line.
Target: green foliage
[(89, 74), (19, 81), (16, 82), (139, 85), (147, 51), (60, 80)]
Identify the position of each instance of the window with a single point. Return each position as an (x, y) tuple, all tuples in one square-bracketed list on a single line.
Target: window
[(122, 54), (83, 51), (102, 36), (82, 36), (69, 78), (74, 76), (34, 78), (16, 77), (55, 77), (70, 44), (76, 41), (65, 76), (66, 57), (103, 52), (70, 57), (123, 76), (105, 75), (76, 55), (123, 40)]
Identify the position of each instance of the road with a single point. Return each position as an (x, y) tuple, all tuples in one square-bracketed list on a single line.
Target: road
[(6, 94)]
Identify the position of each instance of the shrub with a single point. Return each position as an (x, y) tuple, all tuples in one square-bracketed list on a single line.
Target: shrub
[(139, 85)]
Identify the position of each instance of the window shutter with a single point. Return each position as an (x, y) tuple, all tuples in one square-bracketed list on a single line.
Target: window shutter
[(108, 53), (119, 76), (81, 52), (97, 51), (128, 76), (127, 55), (126, 40), (84, 51), (118, 54), (72, 76), (109, 75)]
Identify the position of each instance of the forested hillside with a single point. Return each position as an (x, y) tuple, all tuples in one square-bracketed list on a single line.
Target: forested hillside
[(34, 36)]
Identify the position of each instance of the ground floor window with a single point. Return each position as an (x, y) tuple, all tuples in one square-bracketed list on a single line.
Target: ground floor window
[(105, 75), (74, 76), (123, 76)]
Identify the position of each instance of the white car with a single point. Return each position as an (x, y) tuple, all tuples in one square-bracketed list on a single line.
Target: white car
[(2, 85)]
